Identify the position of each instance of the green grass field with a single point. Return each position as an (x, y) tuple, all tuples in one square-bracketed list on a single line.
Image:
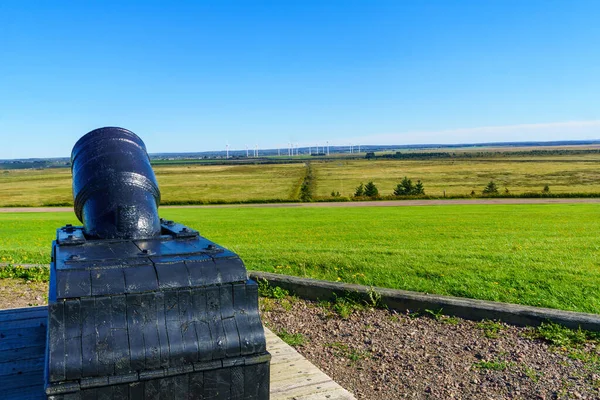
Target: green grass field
[(280, 182), (541, 255)]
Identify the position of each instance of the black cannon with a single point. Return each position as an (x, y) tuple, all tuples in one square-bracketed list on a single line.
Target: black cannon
[(140, 307)]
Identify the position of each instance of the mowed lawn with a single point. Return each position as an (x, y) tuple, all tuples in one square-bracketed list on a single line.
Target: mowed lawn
[(541, 255)]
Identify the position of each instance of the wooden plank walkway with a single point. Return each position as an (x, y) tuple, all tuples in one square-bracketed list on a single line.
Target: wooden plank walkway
[(293, 377), (23, 341)]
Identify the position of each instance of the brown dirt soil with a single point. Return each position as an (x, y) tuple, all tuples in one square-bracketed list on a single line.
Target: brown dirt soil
[(15, 293), (378, 354)]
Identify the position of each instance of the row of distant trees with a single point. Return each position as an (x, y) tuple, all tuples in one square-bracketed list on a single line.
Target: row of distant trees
[(407, 188), (404, 188), (492, 188)]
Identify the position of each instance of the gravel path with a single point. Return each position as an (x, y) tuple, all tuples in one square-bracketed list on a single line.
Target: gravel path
[(383, 203), (378, 354)]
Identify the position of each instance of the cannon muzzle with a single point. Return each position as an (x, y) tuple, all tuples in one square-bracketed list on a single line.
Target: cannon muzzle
[(114, 188)]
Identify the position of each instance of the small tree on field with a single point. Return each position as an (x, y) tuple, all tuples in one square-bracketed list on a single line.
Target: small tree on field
[(546, 189), (360, 191), (491, 188), (419, 189), (406, 188), (371, 190), (305, 192)]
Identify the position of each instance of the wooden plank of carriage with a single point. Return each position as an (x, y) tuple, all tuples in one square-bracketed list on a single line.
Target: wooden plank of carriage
[(23, 342)]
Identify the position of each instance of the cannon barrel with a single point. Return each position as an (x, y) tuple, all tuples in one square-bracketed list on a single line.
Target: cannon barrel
[(115, 192)]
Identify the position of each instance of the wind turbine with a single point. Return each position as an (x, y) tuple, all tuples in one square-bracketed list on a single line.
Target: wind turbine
[(328, 147), (246, 151), (227, 151)]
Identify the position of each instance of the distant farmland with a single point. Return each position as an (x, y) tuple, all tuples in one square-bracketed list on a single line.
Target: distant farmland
[(281, 182)]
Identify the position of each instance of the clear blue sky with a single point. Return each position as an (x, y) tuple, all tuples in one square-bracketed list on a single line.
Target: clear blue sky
[(193, 76)]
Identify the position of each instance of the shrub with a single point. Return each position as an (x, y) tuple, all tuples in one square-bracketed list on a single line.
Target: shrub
[(546, 189)]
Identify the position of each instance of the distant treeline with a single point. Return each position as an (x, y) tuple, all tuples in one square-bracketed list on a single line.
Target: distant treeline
[(37, 164), (479, 154)]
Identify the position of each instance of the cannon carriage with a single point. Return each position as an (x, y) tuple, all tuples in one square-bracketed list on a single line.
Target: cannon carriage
[(141, 307)]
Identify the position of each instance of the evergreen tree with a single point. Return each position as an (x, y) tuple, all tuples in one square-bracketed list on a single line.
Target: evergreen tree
[(404, 188), (360, 191), (371, 190), (491, 188), (419, 189)]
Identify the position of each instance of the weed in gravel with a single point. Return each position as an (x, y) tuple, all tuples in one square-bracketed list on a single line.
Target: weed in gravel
[(273, 292), (450, 320), (590, 358), (286, 304), (295, 339), (324, 304), (532, 374), (394, 318), (413, 314), (375, 300), (434, 314), (33, 274), (327, 309), (343, 350), (491, 329), (561, 336), (493, 365), (345, 305), (266, 304)]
